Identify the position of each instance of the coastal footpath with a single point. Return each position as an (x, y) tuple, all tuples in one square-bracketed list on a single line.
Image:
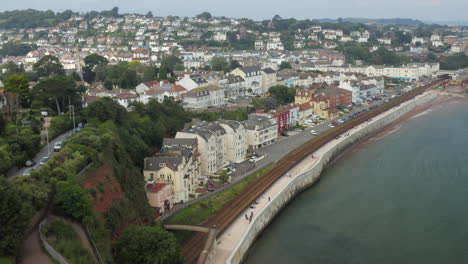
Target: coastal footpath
[(234, 243)]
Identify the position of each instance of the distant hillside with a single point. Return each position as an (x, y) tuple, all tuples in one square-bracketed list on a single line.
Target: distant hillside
[(383, 21)]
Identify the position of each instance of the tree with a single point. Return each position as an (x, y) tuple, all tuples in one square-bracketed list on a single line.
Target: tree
[(147, 245), (49, 66), (18, 84), (16, 49), (73, 200), (431, 57), (11, 68), (233, 64), (91, 62), (282, 94), (219, 64), (204, 15), (57, 91), (285, 65), (15, 214), (149, 14)]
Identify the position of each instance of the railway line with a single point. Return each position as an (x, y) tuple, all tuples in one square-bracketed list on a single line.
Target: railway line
[(224, 217)]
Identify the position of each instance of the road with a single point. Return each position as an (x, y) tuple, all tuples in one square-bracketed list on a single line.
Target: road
[(42, 153), (283, 145)]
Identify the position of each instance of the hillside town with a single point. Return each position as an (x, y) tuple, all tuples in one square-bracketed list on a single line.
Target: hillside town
[(144, 114)]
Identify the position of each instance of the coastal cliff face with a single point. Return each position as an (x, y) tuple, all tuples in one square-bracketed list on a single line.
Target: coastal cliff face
[(308, 178)]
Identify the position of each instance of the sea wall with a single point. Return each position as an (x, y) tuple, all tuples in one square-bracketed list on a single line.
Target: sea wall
[(308, 178)]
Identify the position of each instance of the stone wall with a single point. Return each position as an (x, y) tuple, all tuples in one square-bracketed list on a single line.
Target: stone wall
[(308, 178)]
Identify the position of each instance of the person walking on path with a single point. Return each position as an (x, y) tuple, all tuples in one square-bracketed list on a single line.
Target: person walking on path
[(246, 217), (268, 198)]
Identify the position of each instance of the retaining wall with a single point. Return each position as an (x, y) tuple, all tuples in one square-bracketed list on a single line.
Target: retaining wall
[(308, 178)]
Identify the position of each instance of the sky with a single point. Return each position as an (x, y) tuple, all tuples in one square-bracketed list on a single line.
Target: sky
[(426, 10)]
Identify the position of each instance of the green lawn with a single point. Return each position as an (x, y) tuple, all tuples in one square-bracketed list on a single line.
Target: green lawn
[(6, 260), (199, 212), (65, 240)]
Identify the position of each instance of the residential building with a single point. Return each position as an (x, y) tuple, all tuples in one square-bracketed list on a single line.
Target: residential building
[(233, 85), (192, 81), (160, 196), (268, 79), (210, 96), (252, 76), (262, 130)]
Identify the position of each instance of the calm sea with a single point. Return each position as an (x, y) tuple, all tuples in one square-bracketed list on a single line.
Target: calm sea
[(402, 198)]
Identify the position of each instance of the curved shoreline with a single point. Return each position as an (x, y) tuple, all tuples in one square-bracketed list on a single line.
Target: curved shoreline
[(234, 244)]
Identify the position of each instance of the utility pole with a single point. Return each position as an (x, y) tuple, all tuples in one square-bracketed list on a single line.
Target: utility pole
[(48, 147), (73, 116)]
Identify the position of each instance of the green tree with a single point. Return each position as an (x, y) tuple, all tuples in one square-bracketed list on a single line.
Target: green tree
[(233, 64), (73, 200), (57, 92), (204, 15), (219, 64), (91, 62), (16, 212), (11, 68), (431, 57), (147, 245), (285, 65), (18, 84), (282, 94), (49, 66)]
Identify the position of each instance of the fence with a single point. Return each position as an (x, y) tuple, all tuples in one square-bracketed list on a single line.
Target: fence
[(52, 252), (225, 187)]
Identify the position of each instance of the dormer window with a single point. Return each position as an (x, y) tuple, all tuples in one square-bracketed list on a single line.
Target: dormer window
[(162, 164)]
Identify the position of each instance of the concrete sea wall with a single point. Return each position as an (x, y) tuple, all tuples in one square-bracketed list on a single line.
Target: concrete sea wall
[(308, 178)]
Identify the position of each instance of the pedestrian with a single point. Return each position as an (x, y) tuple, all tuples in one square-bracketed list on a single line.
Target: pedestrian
[(246, 217), (251, 214), (268, 198)]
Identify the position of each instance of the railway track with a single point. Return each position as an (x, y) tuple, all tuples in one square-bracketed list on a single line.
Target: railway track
[(224, 217)]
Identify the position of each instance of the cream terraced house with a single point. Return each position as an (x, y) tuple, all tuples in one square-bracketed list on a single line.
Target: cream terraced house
[(178, 165), (252, 76), (235, 140)]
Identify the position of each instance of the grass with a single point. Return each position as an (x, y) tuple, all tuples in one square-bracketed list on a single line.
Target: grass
[(65, 240), (197, 213), (6, 260)]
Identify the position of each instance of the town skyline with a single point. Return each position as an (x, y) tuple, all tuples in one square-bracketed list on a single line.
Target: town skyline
[(425, 10)]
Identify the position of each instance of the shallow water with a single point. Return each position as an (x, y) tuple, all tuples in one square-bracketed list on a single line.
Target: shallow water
[(402, 198)]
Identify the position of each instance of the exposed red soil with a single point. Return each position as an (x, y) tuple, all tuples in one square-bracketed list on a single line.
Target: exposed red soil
[(104, 176)]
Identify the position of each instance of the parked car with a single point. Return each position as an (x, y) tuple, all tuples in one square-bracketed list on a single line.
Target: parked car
[(313, 132), (284, 134), (256, 158), (29, 163), (331, 125), (335, 123), (341, 121), (58, 146), (44, 160)]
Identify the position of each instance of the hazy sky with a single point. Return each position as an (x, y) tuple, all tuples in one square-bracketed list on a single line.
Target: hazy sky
[(259, 9)]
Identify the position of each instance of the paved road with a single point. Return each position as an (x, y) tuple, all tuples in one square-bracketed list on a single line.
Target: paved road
[(43, 153), (279, 149)]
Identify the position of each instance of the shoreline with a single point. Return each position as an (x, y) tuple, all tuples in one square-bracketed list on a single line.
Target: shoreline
[(235, 242)]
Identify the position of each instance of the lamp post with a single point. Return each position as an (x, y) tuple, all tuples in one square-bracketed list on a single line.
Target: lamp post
[(48, 147), (73, 116)]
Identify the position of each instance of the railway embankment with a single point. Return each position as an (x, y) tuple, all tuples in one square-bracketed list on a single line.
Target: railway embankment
[(234, 243)]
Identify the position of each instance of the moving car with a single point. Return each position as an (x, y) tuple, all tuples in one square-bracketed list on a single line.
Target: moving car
[(255, 158), (27, 172), (58, 146), (331, 125), (341, 121), (313, 132)]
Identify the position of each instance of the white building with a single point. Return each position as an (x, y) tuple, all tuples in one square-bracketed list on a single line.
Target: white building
[(192, 81), (262, 130), (252, 76), (210, 96)]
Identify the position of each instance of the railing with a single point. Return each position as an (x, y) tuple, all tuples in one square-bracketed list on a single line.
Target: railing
[(50, 250)]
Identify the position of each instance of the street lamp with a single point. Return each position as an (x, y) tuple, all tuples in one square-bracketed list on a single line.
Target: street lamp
[(48, 147), (73, 115)]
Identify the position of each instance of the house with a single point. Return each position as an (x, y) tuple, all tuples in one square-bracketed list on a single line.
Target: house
[(125, 98), (268, 79), (158, 90), (192, 81), (160, 196), (210, 142), (262, 130), (233, 86), (235, 140), (282, 116), (252, 76), (303, 96), (204, 97), (305, 111)]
